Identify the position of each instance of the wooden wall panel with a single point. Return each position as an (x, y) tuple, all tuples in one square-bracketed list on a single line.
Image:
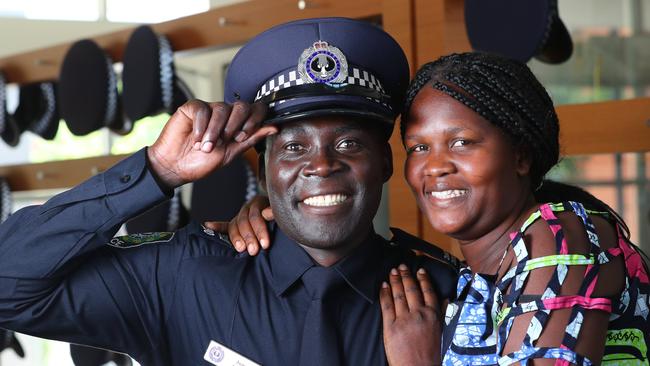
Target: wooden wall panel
[(397, 19), (607, 127)]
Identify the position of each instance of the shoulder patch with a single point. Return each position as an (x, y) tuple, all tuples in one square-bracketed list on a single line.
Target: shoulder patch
[(136, 240)]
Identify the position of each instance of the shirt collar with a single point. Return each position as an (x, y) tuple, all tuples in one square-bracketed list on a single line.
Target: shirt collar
[(360, 269)]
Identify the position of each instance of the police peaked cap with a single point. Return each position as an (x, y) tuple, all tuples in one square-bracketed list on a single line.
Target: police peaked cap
[(518, 29), (321, 66), (37, 109), (88, 98), (149, 82), (8, 129)]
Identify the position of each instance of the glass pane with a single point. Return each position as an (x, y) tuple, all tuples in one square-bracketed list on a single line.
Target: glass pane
[(620, 180), (48, 9), (152, 11), (609, 60)]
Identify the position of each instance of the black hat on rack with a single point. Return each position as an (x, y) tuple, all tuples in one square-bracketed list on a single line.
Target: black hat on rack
[(167, 216), (220, 195), (518, 29), (37, 109), (88, 98), (8, 128), (149, 81)]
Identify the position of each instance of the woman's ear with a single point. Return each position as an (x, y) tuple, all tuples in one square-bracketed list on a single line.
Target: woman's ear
[(523, 160)]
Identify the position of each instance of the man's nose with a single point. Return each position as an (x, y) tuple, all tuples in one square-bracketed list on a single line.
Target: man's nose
[(322, 163)]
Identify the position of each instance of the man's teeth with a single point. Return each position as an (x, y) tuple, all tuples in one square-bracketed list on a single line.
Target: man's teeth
[(325, 200), (449, 194)]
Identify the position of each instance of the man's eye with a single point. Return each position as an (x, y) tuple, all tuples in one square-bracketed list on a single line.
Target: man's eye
[(292, 146), (348, 144)]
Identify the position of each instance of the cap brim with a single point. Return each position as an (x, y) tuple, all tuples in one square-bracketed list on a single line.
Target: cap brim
[(334, 105), (312, 113), (558, 46)]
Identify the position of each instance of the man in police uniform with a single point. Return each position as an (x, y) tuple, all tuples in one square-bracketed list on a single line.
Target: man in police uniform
[(327, 91)]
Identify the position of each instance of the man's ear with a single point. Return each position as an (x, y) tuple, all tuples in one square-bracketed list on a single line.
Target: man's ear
[(388, 162), (261, 171), (523, 161)]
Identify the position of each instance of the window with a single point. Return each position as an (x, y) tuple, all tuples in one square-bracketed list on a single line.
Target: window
[(152, 11), (55, 10)]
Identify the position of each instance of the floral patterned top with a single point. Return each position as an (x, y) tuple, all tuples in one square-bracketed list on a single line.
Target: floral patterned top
[(478, 322)]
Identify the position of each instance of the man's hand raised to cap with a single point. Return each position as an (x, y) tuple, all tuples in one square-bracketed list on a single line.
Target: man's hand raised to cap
[(201, 137)]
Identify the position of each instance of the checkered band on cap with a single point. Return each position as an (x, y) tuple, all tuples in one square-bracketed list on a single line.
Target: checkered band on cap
[(5, 200), (111, 100), (47, 92), (291, 78), (166, 60)]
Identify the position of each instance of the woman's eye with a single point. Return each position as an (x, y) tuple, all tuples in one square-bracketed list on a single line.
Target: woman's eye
[(460, 143), (417, 148)]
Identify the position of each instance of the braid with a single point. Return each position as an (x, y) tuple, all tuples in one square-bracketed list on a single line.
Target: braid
[(504, 92)]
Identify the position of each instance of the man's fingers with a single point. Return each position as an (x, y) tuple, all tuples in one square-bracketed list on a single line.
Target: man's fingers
[(259, 135), (238, 116), (189, 121), (219, 114), (399, 298), (256, 117), (387, 305), (428, 292), (411, 288), (218, 226)]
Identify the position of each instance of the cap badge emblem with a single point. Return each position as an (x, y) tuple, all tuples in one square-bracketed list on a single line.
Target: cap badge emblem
[(322, 63)]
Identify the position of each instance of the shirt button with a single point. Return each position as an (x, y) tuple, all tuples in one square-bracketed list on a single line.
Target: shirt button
[(125, 178)]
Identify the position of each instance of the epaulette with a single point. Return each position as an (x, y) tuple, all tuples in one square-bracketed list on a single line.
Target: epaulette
[(425, 248), (218, 235), (136, 240)]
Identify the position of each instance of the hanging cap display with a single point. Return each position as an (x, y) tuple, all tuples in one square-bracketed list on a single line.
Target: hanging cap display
[(149, 80), (518, 29), (88, 98)]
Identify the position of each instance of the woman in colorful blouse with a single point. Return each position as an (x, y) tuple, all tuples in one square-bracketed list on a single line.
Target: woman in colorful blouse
[(551, 277)]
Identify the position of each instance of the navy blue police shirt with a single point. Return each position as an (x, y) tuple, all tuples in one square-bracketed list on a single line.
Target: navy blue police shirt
[(163, 297)]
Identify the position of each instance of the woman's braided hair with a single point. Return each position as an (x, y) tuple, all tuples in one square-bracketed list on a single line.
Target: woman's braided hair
[(504, 92)]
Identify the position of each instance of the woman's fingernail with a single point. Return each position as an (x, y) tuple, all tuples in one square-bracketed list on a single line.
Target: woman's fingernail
[(422, 271), (197, 145), (393, 272), (251, 248), (241, 136), (384, 285), (238, 244), (264, 243), (207, 146), (403, 267)]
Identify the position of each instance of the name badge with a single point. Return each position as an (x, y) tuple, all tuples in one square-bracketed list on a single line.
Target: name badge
[(221, 355)]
